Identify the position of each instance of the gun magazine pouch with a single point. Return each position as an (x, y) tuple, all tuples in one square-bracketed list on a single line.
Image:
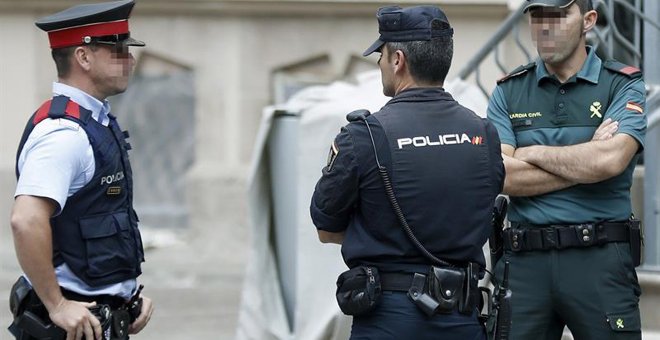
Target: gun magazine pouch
[(358, 290)]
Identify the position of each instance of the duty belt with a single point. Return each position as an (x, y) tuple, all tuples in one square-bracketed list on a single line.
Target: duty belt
[(522, 237)]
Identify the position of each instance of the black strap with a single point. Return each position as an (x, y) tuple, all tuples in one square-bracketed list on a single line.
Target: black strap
[(400, 282), (523, 237), (115, 302)]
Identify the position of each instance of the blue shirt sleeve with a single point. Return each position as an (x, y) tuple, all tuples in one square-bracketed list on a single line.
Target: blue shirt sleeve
[(497, 164), (498, 114), (336, 193), (625, 109), (55, 162)]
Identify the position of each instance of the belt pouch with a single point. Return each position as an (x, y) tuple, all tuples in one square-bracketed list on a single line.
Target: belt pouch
[(446, 286), (358, 290)]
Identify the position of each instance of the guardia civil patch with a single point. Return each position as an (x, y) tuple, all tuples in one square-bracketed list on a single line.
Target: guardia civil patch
[(332, 155)]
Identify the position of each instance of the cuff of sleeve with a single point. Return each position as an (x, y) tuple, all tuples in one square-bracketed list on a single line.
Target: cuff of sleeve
[(325, 222), (638, 138)]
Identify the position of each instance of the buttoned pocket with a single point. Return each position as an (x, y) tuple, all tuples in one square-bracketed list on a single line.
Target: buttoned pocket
[(110, 247)]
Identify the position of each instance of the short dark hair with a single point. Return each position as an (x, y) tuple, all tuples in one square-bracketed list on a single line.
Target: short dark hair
[(428, 61), (584, 5), (62, 58)]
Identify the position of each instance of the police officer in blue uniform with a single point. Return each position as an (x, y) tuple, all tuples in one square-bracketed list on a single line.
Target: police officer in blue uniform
[(408, 187), (74, 227)]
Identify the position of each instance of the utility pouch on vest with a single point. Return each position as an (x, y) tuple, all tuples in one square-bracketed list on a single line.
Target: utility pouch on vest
[(636, 240), (445, 284), (358, 290)]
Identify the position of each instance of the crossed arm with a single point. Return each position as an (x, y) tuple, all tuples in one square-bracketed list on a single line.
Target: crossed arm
[(539, 169)]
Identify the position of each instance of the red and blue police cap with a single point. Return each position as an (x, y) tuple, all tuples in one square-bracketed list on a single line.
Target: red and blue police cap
[(551, 3), (100, 23), (408, 24)]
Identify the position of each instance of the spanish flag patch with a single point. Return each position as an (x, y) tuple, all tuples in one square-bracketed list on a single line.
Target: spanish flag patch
[(334, 151), (634, 107)]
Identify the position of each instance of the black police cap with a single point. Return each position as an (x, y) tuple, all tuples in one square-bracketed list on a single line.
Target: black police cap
[(105, 22), (408, 24), (550, 3)]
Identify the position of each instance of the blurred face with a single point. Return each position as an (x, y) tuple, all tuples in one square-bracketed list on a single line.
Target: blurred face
[(113, 65), (386, 72), (556, 32)]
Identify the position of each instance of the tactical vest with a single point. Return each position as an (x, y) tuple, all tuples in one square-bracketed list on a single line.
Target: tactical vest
[(96, 234)]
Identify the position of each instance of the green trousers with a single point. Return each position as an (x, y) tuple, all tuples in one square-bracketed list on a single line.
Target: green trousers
[(593, 291)]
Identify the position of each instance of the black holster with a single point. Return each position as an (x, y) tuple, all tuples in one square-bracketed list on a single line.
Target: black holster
[(31, 321), (636, 240)]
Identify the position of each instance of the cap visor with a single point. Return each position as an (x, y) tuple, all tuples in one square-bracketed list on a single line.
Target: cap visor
[(373, 48), (541, 4), (134, 42)]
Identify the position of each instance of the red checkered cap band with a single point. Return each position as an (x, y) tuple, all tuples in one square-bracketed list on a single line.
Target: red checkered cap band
[(73, 36)]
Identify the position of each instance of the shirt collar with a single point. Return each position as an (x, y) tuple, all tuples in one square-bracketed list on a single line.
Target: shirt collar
[(590, 70), (421, 94), (100, 109)]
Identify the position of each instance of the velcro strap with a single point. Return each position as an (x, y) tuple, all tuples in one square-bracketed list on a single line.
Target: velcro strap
[(534, 237)]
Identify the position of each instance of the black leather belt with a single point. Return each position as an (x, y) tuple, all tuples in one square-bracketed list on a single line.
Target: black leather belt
[(521, 237), (399, 282), (114, 302)]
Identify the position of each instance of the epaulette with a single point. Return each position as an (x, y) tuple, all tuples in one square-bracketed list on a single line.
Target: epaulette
[(520, 70), (57, 107), (357, 115), (615, 66)]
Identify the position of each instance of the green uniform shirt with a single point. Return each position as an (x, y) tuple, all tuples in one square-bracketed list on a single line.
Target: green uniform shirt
[(531, 107)]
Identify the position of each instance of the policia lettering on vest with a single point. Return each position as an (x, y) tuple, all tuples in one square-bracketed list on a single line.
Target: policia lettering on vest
[(408, 192), (75, 230), (572, 128)]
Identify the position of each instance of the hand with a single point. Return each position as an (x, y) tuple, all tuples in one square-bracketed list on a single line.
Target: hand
[(76, 319), (145, 316), (606, 130)]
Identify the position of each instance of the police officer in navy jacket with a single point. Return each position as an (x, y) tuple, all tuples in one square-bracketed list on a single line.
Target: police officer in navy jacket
[(74, 227), (445, 167)]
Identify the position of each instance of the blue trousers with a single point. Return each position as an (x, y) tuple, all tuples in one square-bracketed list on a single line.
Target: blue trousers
[(397, 318)]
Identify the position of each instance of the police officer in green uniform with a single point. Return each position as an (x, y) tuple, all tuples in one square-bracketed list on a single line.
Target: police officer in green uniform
[(572, 127)]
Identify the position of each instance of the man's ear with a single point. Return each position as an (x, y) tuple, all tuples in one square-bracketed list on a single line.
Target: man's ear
[(399, 60), (83, 57), (589, 20)]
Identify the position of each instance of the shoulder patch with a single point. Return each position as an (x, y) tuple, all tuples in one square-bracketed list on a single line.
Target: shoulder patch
[(621, 68), (334, 151), (357, 115), (520, 70)]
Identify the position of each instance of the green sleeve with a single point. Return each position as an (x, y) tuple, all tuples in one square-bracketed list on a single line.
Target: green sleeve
[(625, 110), (498, 114)]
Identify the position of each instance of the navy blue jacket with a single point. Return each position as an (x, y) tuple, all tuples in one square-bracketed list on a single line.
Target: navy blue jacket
[(446, 168), (96, 233)]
